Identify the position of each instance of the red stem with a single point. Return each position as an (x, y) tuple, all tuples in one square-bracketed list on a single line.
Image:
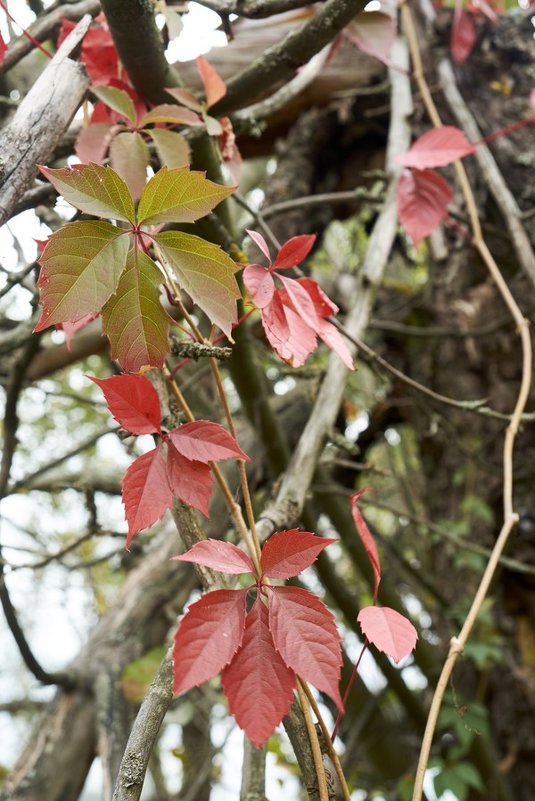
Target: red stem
[(504, 131), (25, 33), (348, 688)]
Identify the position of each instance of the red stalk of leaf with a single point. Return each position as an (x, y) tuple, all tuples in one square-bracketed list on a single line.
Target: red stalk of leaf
[(348, 690), (258, 685), (208, 636)]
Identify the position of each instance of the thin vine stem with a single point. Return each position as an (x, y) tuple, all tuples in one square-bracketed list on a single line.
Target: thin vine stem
[(314, 743), (328, 742), (510, 517)]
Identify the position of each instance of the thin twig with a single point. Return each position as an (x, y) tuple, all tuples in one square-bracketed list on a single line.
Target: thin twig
[(314, 743), (510, 517)]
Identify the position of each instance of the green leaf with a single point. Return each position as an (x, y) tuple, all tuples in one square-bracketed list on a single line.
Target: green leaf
[(206, 273), (470, 776), (94, 189), (171, 113), (179, 195), (117, 99), (134, 320), (449, 779), (172, 149), (129, 157), (80, 269)]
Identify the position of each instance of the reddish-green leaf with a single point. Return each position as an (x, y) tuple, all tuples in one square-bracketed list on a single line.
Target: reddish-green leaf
[(367, 540), (206, 273), (172, 149), (214, 85), (208, 636), (389, 631), (167, 112), (190, 481), (129, 157), (219, 555), (436, 148), (294, 251), (288, 553), (146, 492), (206, 442), (258, 685), (373, 32), (133, 402), (179, 195), (80, 269), (184, 97), (260, 284), (92, 142), (117, 99), (94, 189), (305, 634), (422, 197), (134, 320)]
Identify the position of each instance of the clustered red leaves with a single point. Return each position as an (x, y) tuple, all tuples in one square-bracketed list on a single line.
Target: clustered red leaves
[(288, 632), (383, 627), (423, 195), (178, 466), (296, 313)]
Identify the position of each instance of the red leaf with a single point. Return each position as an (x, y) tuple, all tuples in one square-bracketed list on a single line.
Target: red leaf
[(294, 251), (208, 636), (92, 142), (287, 333), (322, 302), (305, 635), (260, 242), (335, 341), (422, 197), (436, 148), (301, 301), (373, 32), (133, 402), (3, 49), (389, 631), (367, 540), (260, 284), (100, 56), (146, 492), (288, 553), (258, 685), (214, 86), (205, 441), (463, 35), (219, 555), (191, 481)]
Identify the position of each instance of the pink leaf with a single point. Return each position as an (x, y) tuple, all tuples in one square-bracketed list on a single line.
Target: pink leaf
[(219, 555), (463, 35), (92, 142), (288, 553), (322, 302), (260, 284), (294, 251), (532, 98), (335, 341), (301, 301), (208, 636), (373, 32), (190, 481), (289, 336), (436, 148), (258, 685), (367, 540), (206, 442), (146, 492), (259, 240), (389, 631), (71, 328), (422, 197), (133, 402), (305, 635), (214, 86)]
